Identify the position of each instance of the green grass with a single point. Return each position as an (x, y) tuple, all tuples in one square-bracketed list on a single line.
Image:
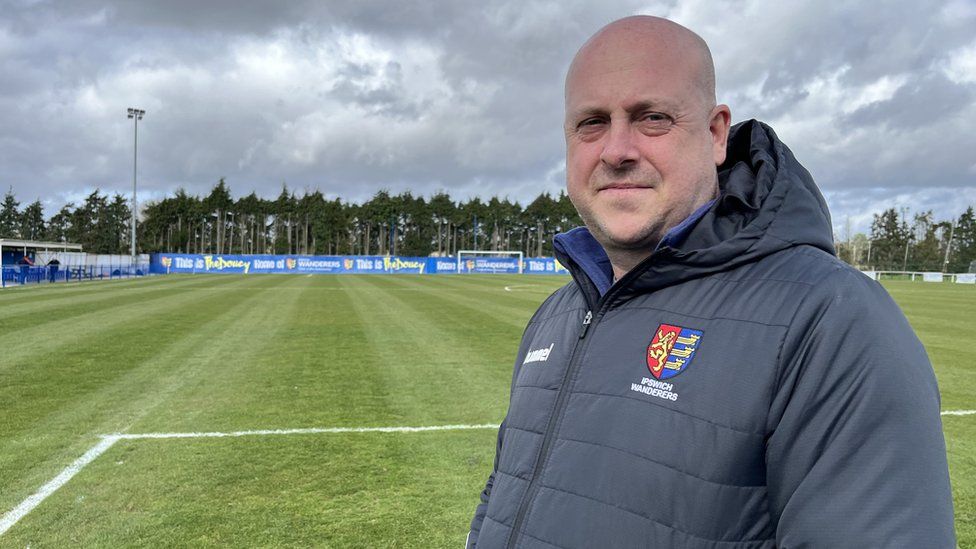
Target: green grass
[(225, 353)]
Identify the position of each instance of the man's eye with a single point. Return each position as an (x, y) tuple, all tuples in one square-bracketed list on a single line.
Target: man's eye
[(654, 122), (590, 124), (655, 117)]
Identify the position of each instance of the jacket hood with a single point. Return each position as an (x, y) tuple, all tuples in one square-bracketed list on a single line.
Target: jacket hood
[(767, 202)]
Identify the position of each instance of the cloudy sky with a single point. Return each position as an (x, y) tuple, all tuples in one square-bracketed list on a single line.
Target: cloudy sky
[(877, 99)]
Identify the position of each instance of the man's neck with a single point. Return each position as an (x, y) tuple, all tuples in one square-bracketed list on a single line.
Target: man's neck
[(624, 260)]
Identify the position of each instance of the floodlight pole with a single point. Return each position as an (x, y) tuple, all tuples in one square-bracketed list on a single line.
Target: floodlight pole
[(136, 115)]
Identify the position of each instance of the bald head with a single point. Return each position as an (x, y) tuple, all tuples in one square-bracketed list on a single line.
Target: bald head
[(668, 47)]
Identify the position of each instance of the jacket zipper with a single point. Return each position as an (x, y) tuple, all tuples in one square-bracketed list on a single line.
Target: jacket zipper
[(540, 461), (602, 304), (586, 324)]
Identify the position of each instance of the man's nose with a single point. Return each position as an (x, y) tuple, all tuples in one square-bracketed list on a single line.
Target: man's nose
[(620, 150)]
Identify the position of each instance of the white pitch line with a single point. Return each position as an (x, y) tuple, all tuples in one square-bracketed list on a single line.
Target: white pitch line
[(520, 287), (106, 442), (308, 431), (64, 476)]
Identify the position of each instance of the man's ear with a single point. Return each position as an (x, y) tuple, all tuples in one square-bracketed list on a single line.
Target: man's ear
[(718, 125)]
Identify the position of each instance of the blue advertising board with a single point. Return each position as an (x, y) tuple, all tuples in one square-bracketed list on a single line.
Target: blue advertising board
[(342, 264), (543, 265)]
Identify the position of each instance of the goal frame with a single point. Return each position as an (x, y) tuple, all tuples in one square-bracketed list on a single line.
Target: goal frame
[(519, 254)]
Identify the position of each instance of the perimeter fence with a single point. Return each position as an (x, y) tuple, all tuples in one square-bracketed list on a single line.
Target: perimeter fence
[(958, 278), (20, 275)]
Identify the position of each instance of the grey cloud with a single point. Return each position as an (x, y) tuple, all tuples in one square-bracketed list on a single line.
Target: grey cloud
[(928, 100), (387, 98), (800, 66), (793, 41), (466, 96)]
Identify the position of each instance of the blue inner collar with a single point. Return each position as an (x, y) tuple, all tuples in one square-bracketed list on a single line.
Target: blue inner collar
[(582, 248)]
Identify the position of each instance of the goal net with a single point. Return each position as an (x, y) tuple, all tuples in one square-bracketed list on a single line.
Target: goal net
[(481, 261)]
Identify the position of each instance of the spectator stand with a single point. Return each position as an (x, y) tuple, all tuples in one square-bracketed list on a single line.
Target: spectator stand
[(19, 262), (35, 262)]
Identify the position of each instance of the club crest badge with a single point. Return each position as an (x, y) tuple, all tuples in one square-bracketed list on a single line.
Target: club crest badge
[(347, 264), (672, 350), (290, 263)]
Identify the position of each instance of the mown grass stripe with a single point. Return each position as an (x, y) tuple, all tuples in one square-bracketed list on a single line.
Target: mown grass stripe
[(57, 330), (42, 292), (52, 406), (499, 306), (438, 360), (227, 362), (29, 310)]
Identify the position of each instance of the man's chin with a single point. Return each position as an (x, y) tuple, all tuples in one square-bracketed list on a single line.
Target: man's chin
[(633, 240)]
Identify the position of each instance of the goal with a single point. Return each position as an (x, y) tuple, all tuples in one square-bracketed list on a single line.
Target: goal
[(481, 261)]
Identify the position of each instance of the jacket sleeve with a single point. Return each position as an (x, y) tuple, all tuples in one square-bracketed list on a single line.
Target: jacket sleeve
[(855, 452), (479, 513)]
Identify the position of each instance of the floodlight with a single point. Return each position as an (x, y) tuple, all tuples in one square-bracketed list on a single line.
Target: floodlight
[(136, 116)]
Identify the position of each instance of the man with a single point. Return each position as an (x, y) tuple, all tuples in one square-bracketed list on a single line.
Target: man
[(25, 264), (52, 269), (715, 377)]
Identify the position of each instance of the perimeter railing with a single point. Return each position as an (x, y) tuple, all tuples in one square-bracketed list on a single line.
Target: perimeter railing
[(959, 278), (21, 275)]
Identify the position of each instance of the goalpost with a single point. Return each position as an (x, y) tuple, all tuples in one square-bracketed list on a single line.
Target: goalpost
[(479, 263)]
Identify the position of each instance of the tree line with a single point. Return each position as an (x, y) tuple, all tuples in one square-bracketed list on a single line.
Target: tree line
[(309, 223), (101, 223), (403, 224), (917, 242), (299, 223)]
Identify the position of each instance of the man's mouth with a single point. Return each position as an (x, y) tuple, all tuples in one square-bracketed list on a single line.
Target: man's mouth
[(624, 186)]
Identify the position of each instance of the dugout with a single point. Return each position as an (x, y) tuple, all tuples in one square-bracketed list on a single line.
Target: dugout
[(13, 270), (11, 250)]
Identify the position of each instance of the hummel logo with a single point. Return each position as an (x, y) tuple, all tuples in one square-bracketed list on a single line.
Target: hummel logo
[(538, 355)]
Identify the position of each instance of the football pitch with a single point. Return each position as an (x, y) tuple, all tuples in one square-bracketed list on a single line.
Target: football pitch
[(284, 410)]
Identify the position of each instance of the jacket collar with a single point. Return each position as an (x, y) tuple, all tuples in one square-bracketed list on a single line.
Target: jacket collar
[(579, 246)]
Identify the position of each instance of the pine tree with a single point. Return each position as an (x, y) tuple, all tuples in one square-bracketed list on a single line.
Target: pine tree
[(962, 258), (32, 221), (890, 238), (10, 216)]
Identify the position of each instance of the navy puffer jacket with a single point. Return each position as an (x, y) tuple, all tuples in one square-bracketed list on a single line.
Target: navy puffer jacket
[(745, 389)]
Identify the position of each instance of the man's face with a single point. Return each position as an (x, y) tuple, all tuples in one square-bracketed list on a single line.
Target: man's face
[(642, 143)]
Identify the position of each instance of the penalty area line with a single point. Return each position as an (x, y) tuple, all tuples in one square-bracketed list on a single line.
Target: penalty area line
[(52, 485), (307, 431), (522, 288), (107, 441)]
